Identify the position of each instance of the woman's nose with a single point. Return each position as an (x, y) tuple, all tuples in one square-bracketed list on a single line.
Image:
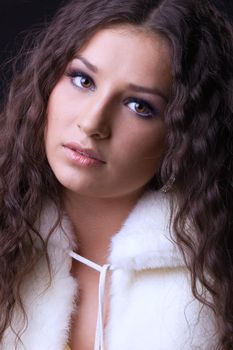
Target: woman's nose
[(94, 119)]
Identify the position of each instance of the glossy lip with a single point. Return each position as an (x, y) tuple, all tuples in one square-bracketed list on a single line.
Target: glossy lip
[(84, 156)]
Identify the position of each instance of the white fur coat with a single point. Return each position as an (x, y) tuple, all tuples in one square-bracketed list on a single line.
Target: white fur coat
[(151, 304)]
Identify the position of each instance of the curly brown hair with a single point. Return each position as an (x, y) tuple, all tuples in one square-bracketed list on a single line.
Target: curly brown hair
[(199, 150)]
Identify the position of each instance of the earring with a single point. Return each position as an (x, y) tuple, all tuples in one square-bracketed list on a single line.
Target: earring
[(168, 185)]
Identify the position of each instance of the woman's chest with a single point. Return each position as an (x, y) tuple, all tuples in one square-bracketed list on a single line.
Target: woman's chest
[(84, 319), (150, 309), (83, 322)]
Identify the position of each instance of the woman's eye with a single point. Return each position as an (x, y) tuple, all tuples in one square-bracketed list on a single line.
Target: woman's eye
[(142, 108), (81, 80)]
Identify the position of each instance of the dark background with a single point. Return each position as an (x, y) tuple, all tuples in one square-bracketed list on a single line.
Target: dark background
[(19, 17)]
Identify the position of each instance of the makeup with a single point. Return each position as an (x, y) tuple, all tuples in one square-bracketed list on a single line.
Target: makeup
[(81, 156)]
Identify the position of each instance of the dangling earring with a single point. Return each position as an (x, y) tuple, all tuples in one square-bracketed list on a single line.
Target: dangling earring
[(168, 185)]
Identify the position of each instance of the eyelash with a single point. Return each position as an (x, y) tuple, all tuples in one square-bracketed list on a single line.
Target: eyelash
[(152, 112), (72, 74)]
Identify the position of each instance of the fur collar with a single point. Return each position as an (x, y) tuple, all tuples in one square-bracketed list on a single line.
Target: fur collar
[(144, 240)]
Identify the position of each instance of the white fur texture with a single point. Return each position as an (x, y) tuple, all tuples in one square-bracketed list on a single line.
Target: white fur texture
[(151, 304)]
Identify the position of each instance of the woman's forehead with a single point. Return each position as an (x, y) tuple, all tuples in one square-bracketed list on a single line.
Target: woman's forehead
[(130, 53)]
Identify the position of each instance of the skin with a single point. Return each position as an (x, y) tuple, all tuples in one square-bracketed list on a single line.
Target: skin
[(101, 112), (100, 118)]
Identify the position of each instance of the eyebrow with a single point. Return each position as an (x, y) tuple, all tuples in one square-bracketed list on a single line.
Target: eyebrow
[(136, 88), (152, 91), (88, 64)]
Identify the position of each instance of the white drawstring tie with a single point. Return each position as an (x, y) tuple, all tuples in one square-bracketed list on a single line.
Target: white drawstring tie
[(99, 335)]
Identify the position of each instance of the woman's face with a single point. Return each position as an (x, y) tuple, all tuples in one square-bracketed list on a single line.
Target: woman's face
[(105, 133)]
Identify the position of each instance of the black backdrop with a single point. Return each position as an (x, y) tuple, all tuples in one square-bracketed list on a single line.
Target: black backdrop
[(17, 17)]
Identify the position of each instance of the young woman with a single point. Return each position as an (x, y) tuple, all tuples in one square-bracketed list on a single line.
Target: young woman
[(116, 181)]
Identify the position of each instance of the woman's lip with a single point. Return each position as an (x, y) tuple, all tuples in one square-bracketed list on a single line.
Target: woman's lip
[(84, 152)]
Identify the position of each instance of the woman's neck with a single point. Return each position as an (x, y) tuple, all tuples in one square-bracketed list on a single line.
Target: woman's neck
[(96, 220)]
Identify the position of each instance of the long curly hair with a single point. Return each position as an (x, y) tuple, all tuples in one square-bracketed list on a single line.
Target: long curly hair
[(199, 152)]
